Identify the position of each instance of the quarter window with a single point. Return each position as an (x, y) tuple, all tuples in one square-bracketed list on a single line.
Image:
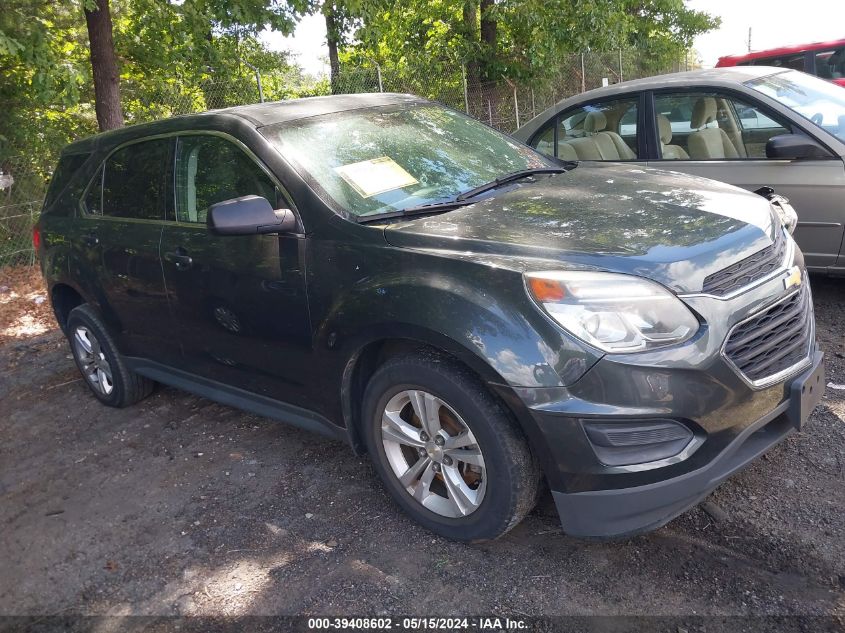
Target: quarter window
[(211, 169), (135, 181)]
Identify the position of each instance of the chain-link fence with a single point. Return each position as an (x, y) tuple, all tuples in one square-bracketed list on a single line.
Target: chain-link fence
[(21, 193), (505, 105)]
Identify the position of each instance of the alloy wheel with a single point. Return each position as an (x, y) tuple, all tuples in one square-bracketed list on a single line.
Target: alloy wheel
[(92, 360), (433, 453)]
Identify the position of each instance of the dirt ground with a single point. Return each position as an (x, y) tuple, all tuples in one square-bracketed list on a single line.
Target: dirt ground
[(182, 506)]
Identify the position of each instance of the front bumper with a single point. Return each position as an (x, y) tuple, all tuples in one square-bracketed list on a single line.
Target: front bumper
[(604, 502)]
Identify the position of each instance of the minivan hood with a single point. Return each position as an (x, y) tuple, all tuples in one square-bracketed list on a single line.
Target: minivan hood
[(673, 228)]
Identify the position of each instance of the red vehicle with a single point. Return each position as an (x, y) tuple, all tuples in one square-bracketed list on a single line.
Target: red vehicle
[(823, 59)]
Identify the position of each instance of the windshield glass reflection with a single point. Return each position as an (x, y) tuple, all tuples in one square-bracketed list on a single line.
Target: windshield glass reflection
[(818, 101), (379, 160)]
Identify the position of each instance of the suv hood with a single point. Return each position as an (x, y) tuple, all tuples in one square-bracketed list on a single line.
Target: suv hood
[(673, 228)]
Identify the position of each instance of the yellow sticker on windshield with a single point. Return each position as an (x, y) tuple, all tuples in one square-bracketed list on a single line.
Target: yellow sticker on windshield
[(375, 176)]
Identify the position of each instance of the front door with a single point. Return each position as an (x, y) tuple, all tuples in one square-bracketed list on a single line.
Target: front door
[(239, 301), (723, 137)]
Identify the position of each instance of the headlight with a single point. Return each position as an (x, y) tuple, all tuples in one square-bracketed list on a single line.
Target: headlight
[(616, 313)]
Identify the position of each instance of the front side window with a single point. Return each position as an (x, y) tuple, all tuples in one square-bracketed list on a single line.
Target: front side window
[(712, 126), (211, 169), (604, 130), (135, 181), (377, 160), (818, 101)]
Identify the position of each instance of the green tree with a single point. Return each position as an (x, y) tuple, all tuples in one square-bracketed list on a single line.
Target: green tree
[(165, 54), (520, 39)]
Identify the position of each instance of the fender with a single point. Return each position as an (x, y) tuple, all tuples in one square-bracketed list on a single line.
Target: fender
[(506, 339), (507, 343)]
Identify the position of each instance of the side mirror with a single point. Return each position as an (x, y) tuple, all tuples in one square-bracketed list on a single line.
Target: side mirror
[(794, 146), (249, 215)]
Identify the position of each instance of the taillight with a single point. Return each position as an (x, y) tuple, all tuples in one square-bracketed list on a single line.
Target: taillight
[(36, 237)]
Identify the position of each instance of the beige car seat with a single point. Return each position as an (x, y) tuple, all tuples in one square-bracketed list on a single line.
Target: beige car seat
[(598, 144), (668, 151), (708, 142)]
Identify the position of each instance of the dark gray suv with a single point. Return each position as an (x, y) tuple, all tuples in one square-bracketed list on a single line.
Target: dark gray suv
[(472, 314)]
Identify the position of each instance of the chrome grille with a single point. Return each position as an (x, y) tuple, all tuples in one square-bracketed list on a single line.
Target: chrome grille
[(747, 270), (774, 340)]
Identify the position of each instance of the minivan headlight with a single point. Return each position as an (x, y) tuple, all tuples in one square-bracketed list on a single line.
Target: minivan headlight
[(616, 313)]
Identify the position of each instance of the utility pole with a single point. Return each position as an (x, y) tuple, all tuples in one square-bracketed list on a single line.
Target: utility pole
[(749, 39)]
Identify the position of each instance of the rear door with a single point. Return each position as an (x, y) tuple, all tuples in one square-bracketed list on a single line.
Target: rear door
[(122, 215), (239, 301), (601, 130), (814, 187)]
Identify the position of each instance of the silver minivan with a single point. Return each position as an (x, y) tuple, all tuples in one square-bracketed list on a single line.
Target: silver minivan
[(749, 126)]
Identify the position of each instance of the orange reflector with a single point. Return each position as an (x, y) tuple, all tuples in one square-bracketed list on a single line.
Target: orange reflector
[(546, 290)]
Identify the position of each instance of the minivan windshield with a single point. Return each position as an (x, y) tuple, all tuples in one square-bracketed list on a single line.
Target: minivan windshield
[(378, 160), (819, 101)]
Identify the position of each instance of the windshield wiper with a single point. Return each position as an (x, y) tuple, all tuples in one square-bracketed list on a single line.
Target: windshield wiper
[(423, 209), (503, 180), (464, 198)]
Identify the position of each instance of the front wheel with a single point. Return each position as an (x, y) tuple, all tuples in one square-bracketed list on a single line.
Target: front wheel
[(446, 450)]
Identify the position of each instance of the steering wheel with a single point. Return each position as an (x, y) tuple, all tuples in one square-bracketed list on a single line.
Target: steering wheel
[(817, 118)]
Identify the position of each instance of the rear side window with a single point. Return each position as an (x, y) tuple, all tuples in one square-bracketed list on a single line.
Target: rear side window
[(134, 182), (602, 130), (211, 169), (93, 201), (794, 61)]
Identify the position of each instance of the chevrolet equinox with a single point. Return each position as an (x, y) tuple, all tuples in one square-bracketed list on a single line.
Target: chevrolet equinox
[(475, 316)]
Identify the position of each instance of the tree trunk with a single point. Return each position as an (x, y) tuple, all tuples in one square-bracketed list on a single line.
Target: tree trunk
[(332, 39), (489, 29), (213, 90), (104, 67), (489, 49), (470, 33)]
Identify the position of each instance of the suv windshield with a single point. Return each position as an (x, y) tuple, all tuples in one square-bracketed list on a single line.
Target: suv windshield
[(379, 160), (821, 102)]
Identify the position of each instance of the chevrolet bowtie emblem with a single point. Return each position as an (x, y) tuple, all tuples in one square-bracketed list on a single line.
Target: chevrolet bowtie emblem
[(793, 278)]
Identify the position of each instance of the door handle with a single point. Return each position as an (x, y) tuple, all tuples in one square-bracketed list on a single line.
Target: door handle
[(180, 258), (90, 240)]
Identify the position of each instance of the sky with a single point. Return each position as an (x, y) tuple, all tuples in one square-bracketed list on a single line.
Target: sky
[(308, 44), (773, 23)]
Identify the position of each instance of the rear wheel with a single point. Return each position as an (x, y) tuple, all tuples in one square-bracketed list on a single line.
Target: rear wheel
[(446, 450), (99, 362)]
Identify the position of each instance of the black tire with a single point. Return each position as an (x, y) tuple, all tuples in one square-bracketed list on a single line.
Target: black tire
[(512, 473), (127, 387)]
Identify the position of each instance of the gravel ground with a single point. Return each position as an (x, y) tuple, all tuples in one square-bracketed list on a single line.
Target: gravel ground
[(182, 506)]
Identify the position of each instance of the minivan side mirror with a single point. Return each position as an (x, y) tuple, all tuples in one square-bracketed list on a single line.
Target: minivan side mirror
[(249, 215), (794, 146)]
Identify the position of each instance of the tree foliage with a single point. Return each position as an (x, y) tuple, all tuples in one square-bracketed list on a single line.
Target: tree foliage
[(173, 57), (177, 56), (528, 36)]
